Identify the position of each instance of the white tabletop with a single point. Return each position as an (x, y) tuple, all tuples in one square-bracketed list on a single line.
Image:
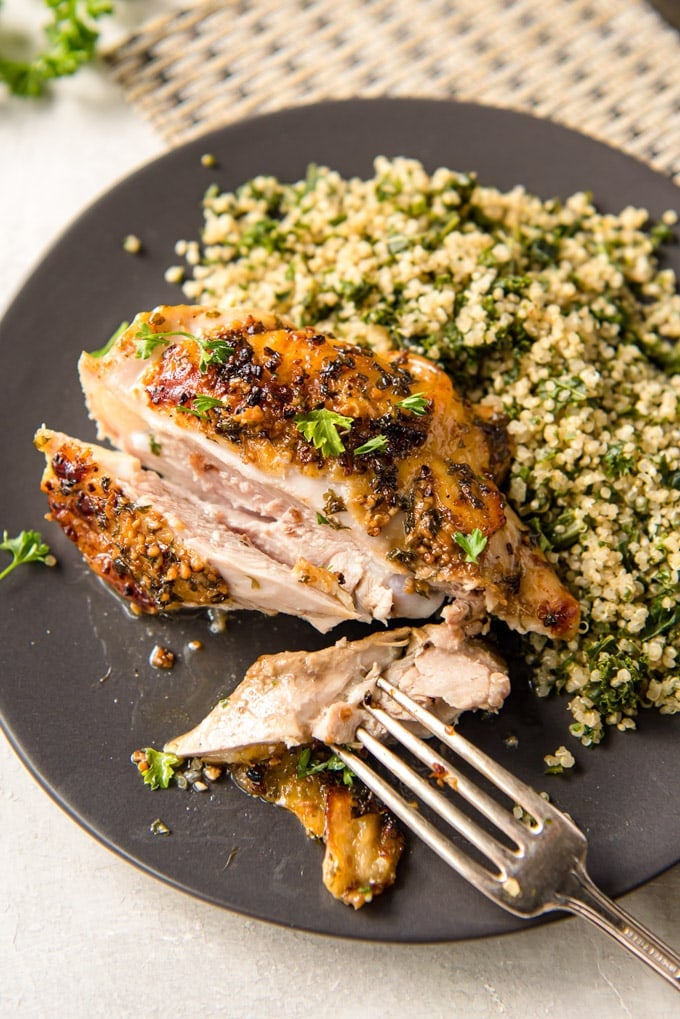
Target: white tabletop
[(83, 933)]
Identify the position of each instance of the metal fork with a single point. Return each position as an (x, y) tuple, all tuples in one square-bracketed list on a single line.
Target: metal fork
[(545, 869)]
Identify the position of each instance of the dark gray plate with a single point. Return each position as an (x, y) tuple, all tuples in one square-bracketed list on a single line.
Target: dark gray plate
[(63, 632)]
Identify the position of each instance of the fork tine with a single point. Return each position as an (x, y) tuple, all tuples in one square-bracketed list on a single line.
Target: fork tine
[(466, 826), (513, 787), (547, 873), (419, 825), (444, 771)]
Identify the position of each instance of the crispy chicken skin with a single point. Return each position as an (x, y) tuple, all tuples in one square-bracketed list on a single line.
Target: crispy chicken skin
[(160, 547), (213, 401), (363, 842), (122, 538)]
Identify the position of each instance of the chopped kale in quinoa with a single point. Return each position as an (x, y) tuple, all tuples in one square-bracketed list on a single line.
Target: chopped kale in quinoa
[(550, 311)]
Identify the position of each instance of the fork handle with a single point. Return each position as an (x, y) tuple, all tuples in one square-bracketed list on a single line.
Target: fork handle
[(582, 896)]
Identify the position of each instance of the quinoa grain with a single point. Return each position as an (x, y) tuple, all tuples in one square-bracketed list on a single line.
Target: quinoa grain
[(549, 311)]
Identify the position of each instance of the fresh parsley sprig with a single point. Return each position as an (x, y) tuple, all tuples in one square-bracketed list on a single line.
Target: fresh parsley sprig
[(214, 351), (201, 405), (416, 403), (27, 547), (473, 544), (307, 765), (70, 41), (161, 767), (110, 342), (375, 445), (322, 428), (148, 340)]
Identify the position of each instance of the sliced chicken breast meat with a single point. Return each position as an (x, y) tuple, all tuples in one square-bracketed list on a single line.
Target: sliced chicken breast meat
[(361, 475), (162, 548)]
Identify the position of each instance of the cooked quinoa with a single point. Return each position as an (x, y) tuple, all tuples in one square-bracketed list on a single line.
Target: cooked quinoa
[(556, 314)]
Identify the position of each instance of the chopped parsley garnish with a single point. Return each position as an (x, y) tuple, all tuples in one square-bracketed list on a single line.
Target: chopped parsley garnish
[(27, 547), (154, 445), (330, 522), (161, 768), (566, 530), (322, 428), (375, 445), (70, 41), (148, 340), (397, 243), (472, 544), (416, 403), (564, 390), (111, 341), (615, 463), (201, 405), (307, 765), (215, 351), (670, 477)]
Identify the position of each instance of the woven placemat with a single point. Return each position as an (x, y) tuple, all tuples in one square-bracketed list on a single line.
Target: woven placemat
[(610, 68)]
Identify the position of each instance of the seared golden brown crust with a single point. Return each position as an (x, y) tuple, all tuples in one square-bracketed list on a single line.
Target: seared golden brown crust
[(363, 841), (415, 465), (131, 547), (437, 464)]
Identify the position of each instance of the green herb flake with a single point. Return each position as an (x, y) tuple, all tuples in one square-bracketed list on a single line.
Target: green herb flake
[(375, 445), (148, 340), (201, 406), (322, 428), (111, 341), (213, 352), (71, 40), (615, 463), (670, 477), (329, 521), (660, 234), (27, 547), (472, 544), (397, 244), (308, 765), (162, 767), (154, 445), (416, 403)]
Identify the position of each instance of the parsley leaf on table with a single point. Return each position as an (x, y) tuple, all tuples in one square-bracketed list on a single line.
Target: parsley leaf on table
[(162, 767), (27, 547), (70, 40)]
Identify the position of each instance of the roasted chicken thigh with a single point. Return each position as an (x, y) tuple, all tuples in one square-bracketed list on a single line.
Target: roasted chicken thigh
[(359, 476)]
